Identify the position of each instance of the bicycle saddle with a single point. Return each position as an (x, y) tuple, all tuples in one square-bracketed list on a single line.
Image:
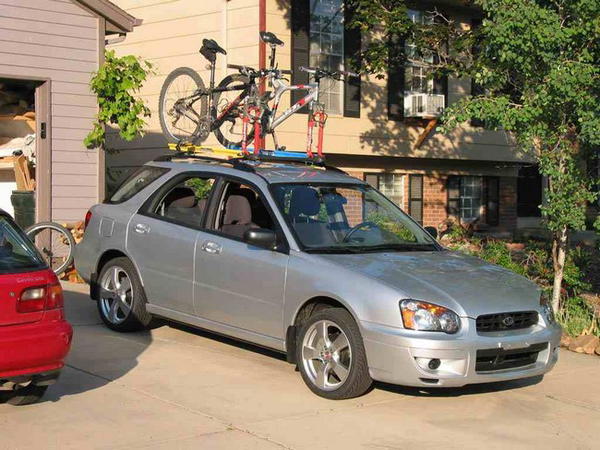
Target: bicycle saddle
[(212, 46), (270, 38)]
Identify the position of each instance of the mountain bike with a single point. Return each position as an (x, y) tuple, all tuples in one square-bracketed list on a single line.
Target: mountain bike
[(189, 111)]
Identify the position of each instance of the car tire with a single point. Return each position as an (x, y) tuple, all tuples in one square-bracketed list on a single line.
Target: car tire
[(130, 313), (334, 367), (26, 395)]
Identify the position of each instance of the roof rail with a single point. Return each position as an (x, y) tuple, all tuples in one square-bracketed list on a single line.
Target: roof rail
[(237, 163)]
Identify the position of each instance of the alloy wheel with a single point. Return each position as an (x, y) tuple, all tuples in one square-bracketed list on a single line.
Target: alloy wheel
[(326, 355), (116, 296)]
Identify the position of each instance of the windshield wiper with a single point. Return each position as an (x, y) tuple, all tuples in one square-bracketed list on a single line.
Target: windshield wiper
[(332, 249), (398, 247)]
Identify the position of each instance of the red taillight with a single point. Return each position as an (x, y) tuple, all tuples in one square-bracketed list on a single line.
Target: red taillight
[(88, 216), (41, 298)]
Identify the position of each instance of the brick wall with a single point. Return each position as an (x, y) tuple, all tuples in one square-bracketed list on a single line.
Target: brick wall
[(353, 208), (434, 200)]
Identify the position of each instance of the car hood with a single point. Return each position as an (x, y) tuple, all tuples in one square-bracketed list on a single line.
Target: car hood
[(467, 285)]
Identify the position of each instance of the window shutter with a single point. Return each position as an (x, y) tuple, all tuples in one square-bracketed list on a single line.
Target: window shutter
[(476, 89), (395, 84), (415, 197), (352, 47), (492, 200), (372, 179), (440, 84), (300, 46), (453, 189)]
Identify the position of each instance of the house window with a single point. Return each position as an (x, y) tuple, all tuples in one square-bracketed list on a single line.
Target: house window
[(417, 69), (327, 49), (470, 197), (389, 184)]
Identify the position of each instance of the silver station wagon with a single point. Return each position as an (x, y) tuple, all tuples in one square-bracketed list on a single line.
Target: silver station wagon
[(309, 261)]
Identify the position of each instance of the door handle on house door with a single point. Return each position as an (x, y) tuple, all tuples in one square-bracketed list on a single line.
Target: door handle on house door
[(211, 247), (142, 228)]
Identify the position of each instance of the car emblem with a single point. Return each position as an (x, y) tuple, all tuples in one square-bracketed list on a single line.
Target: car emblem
[(508, 321)]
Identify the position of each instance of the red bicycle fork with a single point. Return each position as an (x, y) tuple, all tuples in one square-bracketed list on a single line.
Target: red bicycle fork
[(318, 118), (254, 116)]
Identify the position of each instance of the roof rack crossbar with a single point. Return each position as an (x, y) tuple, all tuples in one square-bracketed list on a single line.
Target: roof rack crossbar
[(235, 162)]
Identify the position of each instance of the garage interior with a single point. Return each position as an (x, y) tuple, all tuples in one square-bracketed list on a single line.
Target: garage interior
[(18, 148)]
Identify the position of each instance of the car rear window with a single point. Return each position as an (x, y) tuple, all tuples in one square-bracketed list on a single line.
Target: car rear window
[(136, 182), (17, 252)]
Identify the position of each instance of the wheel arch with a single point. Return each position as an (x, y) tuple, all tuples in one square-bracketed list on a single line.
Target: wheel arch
[(107, 256), (305, 310)]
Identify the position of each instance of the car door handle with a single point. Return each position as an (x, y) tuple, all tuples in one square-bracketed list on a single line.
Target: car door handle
[(211, 247), (142, 228)]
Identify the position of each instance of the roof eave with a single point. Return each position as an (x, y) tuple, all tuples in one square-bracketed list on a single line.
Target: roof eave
[(117, 20)]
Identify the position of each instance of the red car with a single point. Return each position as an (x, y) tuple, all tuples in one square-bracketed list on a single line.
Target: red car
[(34, 335)]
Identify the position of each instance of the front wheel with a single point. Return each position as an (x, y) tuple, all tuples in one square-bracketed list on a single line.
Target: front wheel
[(331, 355), (181, 109)]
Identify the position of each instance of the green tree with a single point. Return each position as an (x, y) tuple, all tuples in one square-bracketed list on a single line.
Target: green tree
[(537, 64), (115, 84)]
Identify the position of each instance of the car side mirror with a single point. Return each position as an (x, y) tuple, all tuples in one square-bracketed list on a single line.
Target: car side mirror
[(261, 237), (432, 231)]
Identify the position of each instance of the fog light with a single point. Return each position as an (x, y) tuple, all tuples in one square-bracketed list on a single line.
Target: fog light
[(434, 364)]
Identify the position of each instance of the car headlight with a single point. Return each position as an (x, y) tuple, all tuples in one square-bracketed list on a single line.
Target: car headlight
[(547, 310), (425, 316)]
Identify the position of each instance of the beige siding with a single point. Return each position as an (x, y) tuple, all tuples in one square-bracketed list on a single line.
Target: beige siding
[(170, 36), (58, 41)]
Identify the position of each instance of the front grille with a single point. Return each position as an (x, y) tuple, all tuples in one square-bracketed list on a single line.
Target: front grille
[(506, 321), (492, 359)]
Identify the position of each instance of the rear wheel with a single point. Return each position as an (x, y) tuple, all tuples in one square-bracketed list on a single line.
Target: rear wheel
[(55, 243), (229, 105), (26, 395), (122, 300), (331, 355), (183, 115)]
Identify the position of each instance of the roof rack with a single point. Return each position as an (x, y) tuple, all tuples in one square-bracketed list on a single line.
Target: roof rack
[(238, 160)]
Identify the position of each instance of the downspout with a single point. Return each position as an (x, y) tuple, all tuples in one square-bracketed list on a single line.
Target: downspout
[(262, 47)]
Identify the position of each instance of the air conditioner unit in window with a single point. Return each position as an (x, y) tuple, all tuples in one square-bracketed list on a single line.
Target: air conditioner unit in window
[(423, 105)]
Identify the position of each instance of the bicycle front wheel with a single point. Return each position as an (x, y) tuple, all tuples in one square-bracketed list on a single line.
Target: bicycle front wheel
[(182, 111), (55, 243), (229, 106)]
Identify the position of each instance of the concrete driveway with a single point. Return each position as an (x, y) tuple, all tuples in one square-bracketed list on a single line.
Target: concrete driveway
[(179, 388)]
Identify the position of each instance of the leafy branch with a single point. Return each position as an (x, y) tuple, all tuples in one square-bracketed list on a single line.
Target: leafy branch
[(115, 84)]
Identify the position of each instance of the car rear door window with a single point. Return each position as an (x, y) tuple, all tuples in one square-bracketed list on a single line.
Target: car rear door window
[(186, 202), (136, 182)]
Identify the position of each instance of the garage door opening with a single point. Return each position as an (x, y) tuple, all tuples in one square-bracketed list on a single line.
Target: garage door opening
[(24, 158)]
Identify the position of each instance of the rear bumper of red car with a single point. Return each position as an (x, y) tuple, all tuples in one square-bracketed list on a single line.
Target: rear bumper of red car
[(33, 351)]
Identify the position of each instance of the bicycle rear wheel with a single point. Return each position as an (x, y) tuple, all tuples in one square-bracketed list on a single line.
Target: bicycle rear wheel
[(229, 106), (183, 115), (55, 243)]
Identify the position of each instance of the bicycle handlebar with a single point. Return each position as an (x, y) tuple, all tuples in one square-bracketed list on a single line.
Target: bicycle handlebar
[(320, 73)]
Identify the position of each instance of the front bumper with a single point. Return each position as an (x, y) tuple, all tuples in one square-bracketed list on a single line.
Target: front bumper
[(401, 356), (32, 349)]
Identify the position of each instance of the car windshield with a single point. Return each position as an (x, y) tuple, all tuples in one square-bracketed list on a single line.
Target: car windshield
[(346, 218), (17, 253)]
